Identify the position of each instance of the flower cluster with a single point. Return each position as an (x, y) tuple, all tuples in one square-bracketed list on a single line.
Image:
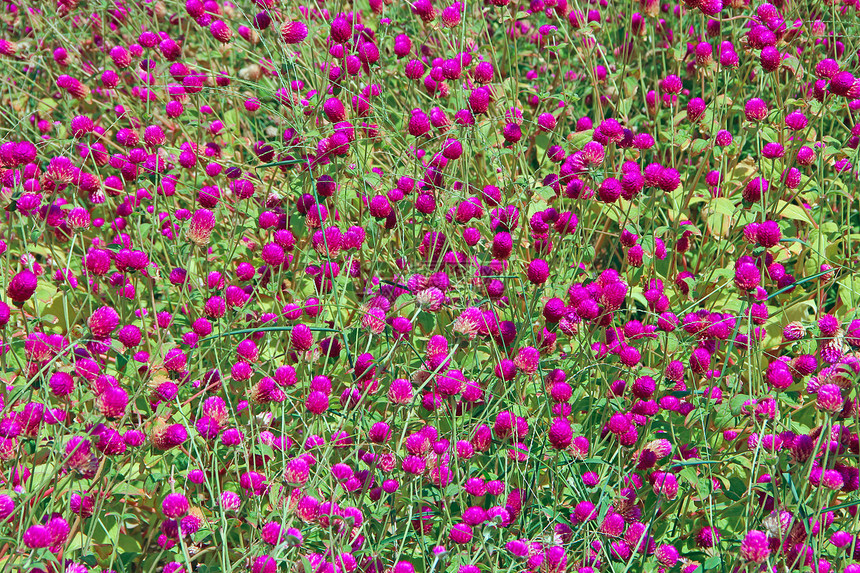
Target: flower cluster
[(423, 286)]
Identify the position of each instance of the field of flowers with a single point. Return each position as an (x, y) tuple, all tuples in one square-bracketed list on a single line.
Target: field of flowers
[(392, 286)]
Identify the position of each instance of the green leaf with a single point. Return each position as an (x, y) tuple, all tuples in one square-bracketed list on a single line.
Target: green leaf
[(699, 146), (580, 138), (701, 485), (306, 565), (696, 462), (128, 544), (427, 320), (844, 505), (798, 283), (723, 206), (737, 403), (282, 162), (792, 211), (736, 490)]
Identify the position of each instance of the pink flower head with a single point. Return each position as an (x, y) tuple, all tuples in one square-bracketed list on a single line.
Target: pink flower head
[(103, 321), (22, 287), (294, 31), (174, 505), (201, 226), (755, 109), (755, 546)]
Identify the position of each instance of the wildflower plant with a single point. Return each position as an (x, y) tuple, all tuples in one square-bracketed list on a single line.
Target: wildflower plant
[(416, 287)]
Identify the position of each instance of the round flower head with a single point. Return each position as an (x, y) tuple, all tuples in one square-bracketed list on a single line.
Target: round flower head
[(704, 53), (768, 234), (665, 484), (461, 533), (747, 276), (723, 138), (778, 375), (113, 402), (755, 109), (418, 124), (502, 245), (672, 84), (538, 271), (479, 100), (264, 564), (61, 384), (805, 156), (754, 190), (165, 437), (37, 536), (773, 150), (805, 364), (512, 132), (828, 325), (5, 314), (826, 68), (7, 506), (710, 7), (272, 533), (400, 391), (842, 83), (230, 500), (483, 73), (700, 360), (130, 336), (770, 59), (830, 398), (103, 321), (696, 109), (294, 32), (219, 30), (25, 152), (755, 546), (560, 434), (546, 122), (832, 479), (414, 69), (201, 226), (174, 506), (796, 120), (301, 337), (708, 537), (79, 219), (80, 126), (793, 331), (22, 287)]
